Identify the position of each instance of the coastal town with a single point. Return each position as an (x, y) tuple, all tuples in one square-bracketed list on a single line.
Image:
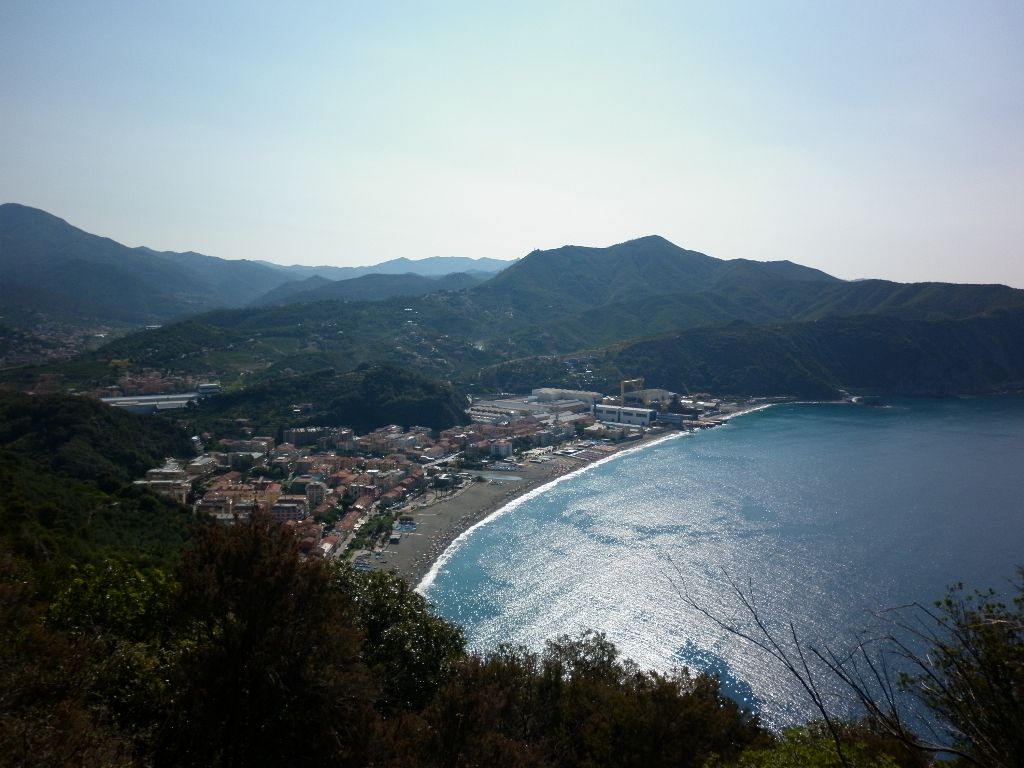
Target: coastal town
[(394, 498)]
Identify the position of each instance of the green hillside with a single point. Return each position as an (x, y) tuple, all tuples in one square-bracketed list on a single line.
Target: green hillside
[(49, 266), (286, 293), (85, 439), (66, 466), (371, 287), (369, 397), (593, 301), (53, 270), (878, 353)]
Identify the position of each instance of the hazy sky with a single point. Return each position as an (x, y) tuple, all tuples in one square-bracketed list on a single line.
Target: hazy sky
[(881, 139)]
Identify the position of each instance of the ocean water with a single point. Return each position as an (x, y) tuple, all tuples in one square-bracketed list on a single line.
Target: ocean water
[(823, 514)]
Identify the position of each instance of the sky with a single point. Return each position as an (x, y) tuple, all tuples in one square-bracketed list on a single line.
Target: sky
[(866, 139)]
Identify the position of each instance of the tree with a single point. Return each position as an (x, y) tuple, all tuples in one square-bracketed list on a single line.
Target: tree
[(411, 651), (961, 661), (268, 671), (49, 714), (120, 611), (812, 747), (114, 597), (577, 704)]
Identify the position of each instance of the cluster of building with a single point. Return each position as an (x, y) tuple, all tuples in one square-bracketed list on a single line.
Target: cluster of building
[(590, 413), (331, 475), (149, 381), (47, 340)]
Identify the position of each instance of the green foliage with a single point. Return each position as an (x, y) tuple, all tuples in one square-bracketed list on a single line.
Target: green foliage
[(268, 671), (273, 472), (85, 439), (65, 466), (370, 287), (814, 360), (122, 612), (251, 656), (369, 397), (410, 649), (48, 715), (111, 597), (523, 374), (576, 704), (331, 516), (972, 676), (53, 522), (810, 747), (373, 530)]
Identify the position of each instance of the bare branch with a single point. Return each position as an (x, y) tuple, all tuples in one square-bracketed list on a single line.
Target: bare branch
[(762, 637), (961, 661)]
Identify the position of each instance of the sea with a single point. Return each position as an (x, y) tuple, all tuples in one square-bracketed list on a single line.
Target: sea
[(822, 517)]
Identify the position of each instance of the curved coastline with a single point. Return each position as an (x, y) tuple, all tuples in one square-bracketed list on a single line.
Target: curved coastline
[(529, 493), (466, 525), (778, 501)]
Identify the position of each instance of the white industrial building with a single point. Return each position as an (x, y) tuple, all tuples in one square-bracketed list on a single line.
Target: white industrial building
[(616, 414)]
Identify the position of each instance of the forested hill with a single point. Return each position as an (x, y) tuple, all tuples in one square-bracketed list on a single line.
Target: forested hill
[(50, 266), (573, 277), (816, 359), (52, 269), (66, 466), (595, 302), (652, 281), (85, 439), (369, 397), (372, 287)]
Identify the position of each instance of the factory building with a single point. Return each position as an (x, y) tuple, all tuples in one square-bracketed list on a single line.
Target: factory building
[(616, 414)]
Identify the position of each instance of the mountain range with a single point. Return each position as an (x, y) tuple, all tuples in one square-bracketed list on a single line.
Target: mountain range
[(432, 266), (50, 268), (368, 287), (585, 317)]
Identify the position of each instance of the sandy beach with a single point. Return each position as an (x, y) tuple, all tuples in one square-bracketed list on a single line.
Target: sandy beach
[(439, 522), (441, 519)]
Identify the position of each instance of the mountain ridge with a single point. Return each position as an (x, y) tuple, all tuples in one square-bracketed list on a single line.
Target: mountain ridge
[(429, 266), (575, 300), (368, 287), (50, 267)]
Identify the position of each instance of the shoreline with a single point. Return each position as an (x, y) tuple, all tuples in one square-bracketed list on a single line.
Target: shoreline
[(439, 524), (528, 492)]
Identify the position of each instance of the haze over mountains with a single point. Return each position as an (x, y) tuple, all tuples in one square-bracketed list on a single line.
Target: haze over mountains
[(573, 316), (50, 267), (432, 266), (368, 287)]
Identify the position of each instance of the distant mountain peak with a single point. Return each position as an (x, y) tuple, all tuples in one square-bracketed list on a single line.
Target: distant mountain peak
[(16, 212), (652, 239), (25, 209)]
